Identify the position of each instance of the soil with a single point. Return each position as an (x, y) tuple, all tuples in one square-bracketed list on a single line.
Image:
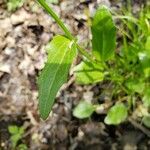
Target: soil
[(23, 36)]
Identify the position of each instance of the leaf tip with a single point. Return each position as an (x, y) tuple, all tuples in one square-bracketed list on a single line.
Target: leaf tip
[(44, 116)]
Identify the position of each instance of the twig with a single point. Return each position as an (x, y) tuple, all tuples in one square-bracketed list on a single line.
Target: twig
[(139, 126)]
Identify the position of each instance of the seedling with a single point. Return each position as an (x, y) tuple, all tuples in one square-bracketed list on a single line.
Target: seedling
[(12, 5), (128, 70), (16, 135)]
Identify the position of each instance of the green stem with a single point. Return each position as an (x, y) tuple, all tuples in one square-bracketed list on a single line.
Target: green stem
[(56, 18), (84, 53)]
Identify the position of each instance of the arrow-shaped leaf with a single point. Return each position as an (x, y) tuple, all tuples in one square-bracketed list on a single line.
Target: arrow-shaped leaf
[(61, 52)]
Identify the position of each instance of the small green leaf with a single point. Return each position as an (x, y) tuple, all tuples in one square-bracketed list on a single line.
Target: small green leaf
[(12, 5), (83, 110), (117, 114), (147, 44), (146, 121), (87, 73), (13, 129), (21, 130), (61, 52), (145, 62), (14, 139), (135, 85), (104, 34), (22, 147), (146, 98)]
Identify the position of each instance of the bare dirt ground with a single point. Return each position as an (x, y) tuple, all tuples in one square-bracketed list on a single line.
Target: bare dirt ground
[(23, 36)]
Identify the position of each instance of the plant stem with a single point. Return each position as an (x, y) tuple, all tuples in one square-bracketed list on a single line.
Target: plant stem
[(85, 53), (64, 28), (56, 18)]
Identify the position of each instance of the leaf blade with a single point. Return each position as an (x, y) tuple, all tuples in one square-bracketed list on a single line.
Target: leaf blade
[(88, 73), (146, 98), (61, 53), (117, 114), (83, 110), (104, 34)]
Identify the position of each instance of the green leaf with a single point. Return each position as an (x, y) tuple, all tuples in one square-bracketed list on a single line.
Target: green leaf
[(146, 121), (21, 130), (145, 63), (135, 85), (12, 5), (22, 147), (61, 52), (13, 129), (146, 98), (87, 73), (83, 110), (15, 138), (147, 44), (117, 114), (146, 67), (104, 34)]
